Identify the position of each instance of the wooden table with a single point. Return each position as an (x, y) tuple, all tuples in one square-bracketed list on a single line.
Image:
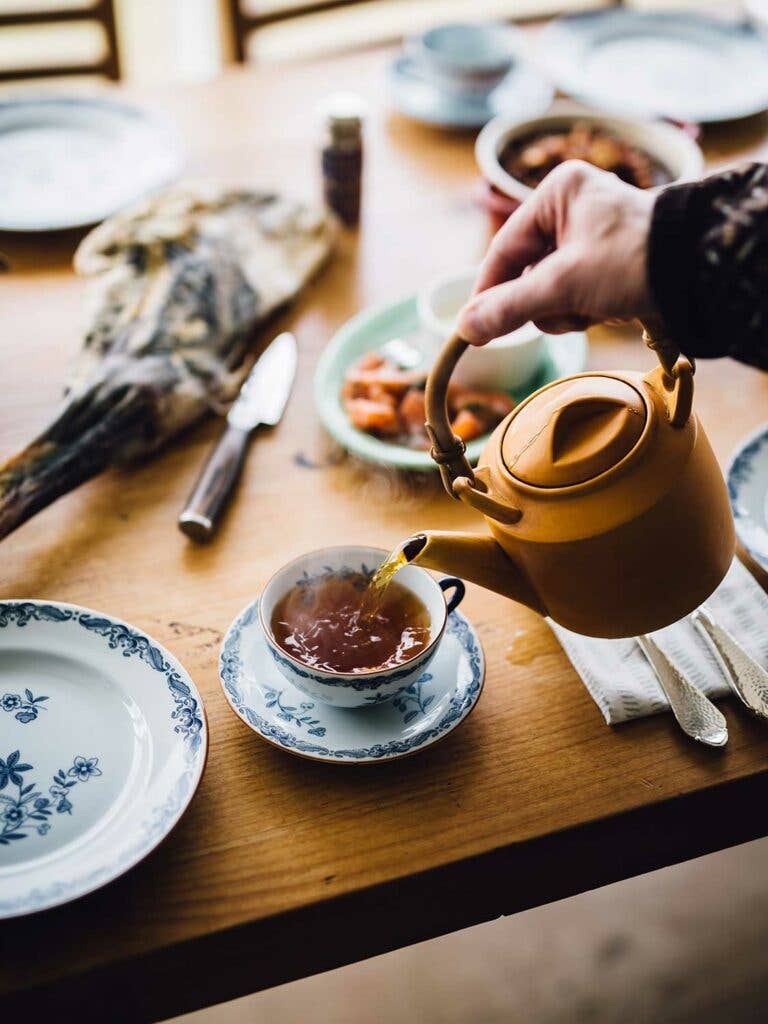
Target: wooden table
[(283, 867)]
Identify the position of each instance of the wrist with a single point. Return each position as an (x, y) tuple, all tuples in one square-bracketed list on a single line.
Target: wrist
[(668, 264)]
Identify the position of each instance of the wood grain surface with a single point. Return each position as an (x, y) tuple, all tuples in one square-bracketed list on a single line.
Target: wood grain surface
[(282, 867)]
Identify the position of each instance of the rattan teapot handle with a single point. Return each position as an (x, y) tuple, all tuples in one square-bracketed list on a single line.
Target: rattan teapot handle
[(447, 449)]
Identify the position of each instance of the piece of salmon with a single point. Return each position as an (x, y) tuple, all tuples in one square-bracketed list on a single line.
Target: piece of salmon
[(413, 411), (468, 425), (375, 417)]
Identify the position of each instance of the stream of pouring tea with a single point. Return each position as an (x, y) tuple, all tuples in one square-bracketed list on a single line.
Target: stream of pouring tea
[(382, 576), (381, 579)]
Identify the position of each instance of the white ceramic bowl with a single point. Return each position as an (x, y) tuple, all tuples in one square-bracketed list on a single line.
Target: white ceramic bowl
[(670, 147), (507, 363), (355, 689)]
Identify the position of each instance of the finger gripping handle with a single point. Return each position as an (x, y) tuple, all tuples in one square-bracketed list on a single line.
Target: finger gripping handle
[(673, 378), (657, 340)]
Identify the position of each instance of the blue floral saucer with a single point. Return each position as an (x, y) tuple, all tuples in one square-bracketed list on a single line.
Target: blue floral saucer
[(747, 477), (102, 744), (427, 711)]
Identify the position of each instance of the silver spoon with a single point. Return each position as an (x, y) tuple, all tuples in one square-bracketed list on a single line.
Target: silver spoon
[(747, 678), (696, 715)]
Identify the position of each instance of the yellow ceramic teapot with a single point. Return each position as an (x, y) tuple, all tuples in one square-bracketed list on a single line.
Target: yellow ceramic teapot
[(607, 508)]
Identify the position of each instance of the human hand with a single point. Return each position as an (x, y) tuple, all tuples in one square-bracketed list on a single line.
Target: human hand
[(573, 254)]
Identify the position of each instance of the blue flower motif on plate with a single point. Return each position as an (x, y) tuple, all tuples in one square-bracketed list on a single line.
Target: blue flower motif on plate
[(26, 708), (11, 769), (412, 701), (84, 768), (28, 809), (290, 713)]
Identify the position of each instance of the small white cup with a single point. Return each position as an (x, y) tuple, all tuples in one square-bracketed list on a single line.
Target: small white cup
[(371, 687), (508, 363), (472, 57)]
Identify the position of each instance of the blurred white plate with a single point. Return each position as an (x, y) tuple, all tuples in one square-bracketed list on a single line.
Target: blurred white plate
[(681, 65), (69, 162)]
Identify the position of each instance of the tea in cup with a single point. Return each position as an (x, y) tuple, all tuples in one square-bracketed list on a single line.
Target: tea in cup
[(343, 643)]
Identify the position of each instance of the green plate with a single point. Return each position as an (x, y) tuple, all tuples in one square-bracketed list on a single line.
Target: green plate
[(564, 354)]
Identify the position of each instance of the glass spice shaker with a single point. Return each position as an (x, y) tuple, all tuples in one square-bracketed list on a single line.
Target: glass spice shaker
[(342, 154)]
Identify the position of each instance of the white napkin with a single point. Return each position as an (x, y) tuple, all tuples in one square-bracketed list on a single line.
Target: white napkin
[(623, 684)]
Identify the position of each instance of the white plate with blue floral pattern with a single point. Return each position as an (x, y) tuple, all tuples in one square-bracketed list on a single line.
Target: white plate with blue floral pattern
[(426, 712), (747, 478), (102, 745)]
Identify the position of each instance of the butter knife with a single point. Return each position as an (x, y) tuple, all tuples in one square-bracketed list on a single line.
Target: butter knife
[(746, 677), (696, 715), (261, 400)]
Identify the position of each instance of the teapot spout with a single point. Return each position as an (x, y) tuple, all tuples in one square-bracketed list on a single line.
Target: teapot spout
[(475, 558)]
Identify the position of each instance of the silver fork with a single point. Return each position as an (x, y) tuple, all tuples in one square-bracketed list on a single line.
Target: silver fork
[(696, 715), (746, 677)]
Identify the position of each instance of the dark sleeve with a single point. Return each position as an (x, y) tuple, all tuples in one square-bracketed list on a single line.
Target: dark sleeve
[(708, 264)]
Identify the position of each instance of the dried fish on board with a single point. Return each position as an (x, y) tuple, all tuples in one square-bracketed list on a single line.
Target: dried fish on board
[(178, 283)]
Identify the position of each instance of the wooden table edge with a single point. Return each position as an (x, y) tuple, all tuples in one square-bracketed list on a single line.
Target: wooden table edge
[(281, 948)]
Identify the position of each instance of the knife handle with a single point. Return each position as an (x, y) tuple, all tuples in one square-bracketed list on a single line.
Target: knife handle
[(214, 485)]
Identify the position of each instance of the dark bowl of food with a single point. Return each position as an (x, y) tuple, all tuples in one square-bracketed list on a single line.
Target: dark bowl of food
[(515, 156)]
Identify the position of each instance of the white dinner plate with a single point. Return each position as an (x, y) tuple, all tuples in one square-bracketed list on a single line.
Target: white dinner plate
[(671, 64), (69, 162), (102, 744)]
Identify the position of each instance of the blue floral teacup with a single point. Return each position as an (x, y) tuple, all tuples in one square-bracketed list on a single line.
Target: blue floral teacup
[(372, 686)]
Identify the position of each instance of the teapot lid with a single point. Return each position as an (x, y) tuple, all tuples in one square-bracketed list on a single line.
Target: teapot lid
[(573, 431)]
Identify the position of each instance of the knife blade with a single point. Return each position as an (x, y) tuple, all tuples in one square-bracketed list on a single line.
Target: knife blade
[(261, 401)]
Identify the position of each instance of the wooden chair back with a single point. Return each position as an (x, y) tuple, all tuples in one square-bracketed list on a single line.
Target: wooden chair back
[(102, 11), (246, 20)]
